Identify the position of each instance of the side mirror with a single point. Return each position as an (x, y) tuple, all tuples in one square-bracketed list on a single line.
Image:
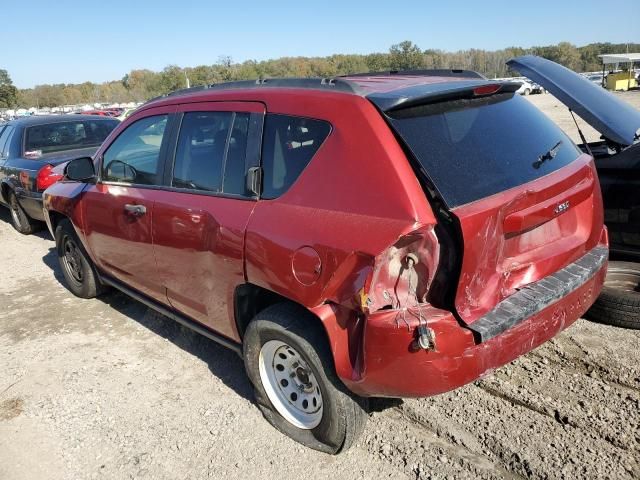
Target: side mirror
[(80, 170)]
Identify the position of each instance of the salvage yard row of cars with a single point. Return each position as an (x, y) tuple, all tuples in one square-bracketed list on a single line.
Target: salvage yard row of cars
[(391, 234)]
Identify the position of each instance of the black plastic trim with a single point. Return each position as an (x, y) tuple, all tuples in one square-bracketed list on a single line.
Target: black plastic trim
[(425, 94), (172, 314), (442, 72), (539, 295)]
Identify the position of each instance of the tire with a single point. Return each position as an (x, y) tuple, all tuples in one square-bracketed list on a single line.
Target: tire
[(619, 301), (527, 91), (333, 418), (22, 222), (77, 268)]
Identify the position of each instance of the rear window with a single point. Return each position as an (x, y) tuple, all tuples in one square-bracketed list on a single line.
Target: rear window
[(471, 149), (58, 137)]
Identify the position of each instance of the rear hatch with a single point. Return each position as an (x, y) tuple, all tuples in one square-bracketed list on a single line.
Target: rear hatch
[(526, 200), (614, 118)]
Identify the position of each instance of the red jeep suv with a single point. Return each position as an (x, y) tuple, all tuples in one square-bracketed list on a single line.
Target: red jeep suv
[(397, 234)]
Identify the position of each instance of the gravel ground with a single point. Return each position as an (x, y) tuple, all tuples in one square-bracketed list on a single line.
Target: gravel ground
[(106, 388)]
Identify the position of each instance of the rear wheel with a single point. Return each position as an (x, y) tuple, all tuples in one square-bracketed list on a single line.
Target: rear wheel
[(288, 360), (22, 222), (76, 266), (619, 301), (527, 91)]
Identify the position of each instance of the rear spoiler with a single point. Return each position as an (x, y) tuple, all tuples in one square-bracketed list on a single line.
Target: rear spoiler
[(439, 92)]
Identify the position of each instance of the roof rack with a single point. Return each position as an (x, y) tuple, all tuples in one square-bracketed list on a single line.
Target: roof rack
[(340, 83), (337, 84), (442, 72), (314, 82)]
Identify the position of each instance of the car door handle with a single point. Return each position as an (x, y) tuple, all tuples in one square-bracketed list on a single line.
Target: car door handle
[(135, 210)]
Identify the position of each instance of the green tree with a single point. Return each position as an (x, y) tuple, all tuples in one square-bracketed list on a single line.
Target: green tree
[(140, 85), (569, 56), (406, 56), (172, 78), (8, 92)]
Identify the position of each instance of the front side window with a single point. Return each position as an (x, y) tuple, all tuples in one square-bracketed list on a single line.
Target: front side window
[(289, 145), (61, 136), (134, 157)]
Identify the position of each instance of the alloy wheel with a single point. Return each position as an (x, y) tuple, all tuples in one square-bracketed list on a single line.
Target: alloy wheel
[(72, 260)]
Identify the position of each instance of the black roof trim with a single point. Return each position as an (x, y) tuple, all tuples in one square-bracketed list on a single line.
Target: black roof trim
[(421, 73), (433, 93)]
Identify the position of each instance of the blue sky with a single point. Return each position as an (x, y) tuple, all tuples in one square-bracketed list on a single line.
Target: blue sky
[(68, 41)]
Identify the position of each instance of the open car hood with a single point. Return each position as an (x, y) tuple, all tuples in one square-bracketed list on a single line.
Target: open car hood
[(615, 119)]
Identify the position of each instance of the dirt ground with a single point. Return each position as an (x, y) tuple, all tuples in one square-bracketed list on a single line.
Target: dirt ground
[(106, 388)]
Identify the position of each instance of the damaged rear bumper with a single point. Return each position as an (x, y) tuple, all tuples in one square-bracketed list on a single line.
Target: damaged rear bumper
[(391, 365)]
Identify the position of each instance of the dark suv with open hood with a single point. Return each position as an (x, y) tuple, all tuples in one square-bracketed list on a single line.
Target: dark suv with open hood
[(617, 159), (395, 234)]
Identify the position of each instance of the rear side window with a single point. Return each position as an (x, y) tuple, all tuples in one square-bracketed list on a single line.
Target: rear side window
[(5, 137), (57, 137), (134, 156), (471, 149), (202, 145), (289, 145)]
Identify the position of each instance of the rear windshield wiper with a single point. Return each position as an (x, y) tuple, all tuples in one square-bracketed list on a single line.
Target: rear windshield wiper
[(548, 155)]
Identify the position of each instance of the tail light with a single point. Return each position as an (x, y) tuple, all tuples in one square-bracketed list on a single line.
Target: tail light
[(47, 177), (400, 281), (402, 274)]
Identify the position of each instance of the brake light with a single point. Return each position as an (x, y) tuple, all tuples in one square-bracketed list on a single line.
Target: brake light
[(46, 177), (402, 274), (486, 90)]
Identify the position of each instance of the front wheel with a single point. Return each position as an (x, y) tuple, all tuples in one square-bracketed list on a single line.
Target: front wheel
[(78, 271), (288, 360)]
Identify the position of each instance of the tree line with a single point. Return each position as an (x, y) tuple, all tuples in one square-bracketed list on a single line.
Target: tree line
[(140, 85)]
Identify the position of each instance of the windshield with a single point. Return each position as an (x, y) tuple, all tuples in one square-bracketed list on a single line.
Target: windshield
[(61, 136), (471, 149)]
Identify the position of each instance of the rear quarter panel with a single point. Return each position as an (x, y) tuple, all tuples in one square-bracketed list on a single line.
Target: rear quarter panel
[(357, 196)]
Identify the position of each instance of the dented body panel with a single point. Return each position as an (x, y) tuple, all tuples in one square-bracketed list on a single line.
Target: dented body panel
[(519, 236), (390, 365)]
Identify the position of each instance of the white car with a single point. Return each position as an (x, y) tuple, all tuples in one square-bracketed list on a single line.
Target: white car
[(526, 88)]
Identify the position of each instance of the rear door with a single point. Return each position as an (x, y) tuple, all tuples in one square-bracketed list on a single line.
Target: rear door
[(200, 219), (118, 213), (525, 199)]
